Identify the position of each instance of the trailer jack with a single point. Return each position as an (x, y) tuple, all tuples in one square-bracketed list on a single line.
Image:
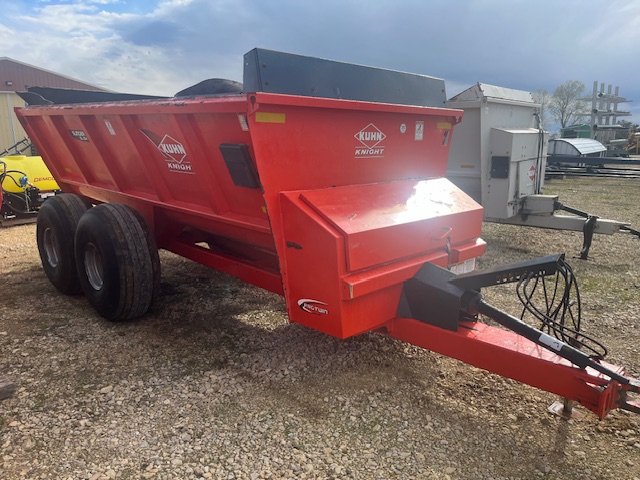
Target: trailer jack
[(557, 357)]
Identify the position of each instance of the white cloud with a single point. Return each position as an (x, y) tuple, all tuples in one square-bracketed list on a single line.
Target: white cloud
[(160, 47)]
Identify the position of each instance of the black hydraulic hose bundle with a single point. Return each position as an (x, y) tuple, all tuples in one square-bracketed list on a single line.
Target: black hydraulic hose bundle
[(554, 307), (560, 314)]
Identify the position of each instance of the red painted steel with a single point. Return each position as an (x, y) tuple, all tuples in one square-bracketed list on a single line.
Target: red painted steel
[(352, 200), (513, 356)]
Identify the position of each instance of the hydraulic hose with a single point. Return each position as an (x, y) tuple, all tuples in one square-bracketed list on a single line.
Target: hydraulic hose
[(546, 341)]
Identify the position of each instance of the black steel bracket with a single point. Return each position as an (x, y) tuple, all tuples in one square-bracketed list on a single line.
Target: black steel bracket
[(441, 298), (430, 297), (508, 273)]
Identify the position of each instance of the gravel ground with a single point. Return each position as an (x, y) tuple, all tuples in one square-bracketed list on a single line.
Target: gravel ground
[(215, 384)]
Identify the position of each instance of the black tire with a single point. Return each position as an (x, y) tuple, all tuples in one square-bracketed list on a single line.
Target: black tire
[(117, 262), (55, 229)]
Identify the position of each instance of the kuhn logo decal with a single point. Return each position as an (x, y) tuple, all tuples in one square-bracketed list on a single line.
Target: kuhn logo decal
[(172, 151), (313, 306), (370, 138)]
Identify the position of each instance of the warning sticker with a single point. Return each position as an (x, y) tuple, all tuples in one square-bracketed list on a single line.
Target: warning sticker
[(532, 173), (242, 118), (107, 124), (419, 131), (550, 342), (79, 135)]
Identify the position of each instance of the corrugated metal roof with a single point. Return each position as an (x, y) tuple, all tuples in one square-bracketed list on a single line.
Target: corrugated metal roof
[(483, 90), (575, 146), (17, 76)]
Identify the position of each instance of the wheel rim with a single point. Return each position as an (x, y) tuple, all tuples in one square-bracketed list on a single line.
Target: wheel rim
[(50, 248), (93, 266)]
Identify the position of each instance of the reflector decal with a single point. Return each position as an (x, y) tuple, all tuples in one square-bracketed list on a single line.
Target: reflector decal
[(267, 117)]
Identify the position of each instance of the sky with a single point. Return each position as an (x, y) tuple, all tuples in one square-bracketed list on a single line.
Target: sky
[(160, 47)]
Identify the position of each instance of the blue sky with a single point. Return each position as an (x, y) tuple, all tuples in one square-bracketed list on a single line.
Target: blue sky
[(160, 47)]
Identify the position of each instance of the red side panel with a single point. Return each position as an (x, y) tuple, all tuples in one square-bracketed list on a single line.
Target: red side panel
[(390, 221), (162, 158), (350, 200), (349, 249), (321, 161)]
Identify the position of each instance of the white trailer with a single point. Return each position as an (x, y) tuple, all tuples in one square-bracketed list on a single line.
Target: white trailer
[(498, 156)]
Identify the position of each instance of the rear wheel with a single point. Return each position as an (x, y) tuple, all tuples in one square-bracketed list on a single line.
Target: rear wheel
[(56, 225), (117, 261)]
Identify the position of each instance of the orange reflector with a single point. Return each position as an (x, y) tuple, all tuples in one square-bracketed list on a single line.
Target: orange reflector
[(266, 117)]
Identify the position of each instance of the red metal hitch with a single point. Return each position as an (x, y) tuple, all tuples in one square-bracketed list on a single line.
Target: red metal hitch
[(511, 355), (551, 362)]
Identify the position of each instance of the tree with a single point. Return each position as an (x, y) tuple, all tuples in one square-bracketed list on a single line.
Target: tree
[(632, 127), (631, 133), (567, 105), (542, 98)]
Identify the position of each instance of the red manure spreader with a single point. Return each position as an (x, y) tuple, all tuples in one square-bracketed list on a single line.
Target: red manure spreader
[(318, 180)]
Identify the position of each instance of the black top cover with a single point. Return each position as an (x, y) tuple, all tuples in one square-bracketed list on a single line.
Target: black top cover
[(277, 72)]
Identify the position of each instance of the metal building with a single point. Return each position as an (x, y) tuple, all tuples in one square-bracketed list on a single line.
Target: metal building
[(582, 130), (16, 76), (586, 147)]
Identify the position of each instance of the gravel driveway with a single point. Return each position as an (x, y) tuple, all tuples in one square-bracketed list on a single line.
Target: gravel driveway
[(214, 383)]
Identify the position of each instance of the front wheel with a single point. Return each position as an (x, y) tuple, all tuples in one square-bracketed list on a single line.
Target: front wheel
[(117, 261)]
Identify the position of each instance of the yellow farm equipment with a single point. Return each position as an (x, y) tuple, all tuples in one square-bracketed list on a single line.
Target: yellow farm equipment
[(26, 182)]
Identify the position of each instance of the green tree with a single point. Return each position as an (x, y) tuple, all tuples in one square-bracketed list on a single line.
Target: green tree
[(567, 103)]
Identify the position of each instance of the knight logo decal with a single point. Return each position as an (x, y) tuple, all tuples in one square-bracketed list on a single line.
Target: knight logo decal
[(316, 307), (370, 138), (172, 151)]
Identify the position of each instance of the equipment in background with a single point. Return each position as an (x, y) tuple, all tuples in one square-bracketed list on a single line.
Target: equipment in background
[(26, 182), (498, 156), (329, 194), (587, 157)]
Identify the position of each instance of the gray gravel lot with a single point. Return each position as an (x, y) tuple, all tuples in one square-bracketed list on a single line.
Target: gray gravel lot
[(214, 383)]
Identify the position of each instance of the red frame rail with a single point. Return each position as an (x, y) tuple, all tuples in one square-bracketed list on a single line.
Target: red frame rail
[(513, 356)]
